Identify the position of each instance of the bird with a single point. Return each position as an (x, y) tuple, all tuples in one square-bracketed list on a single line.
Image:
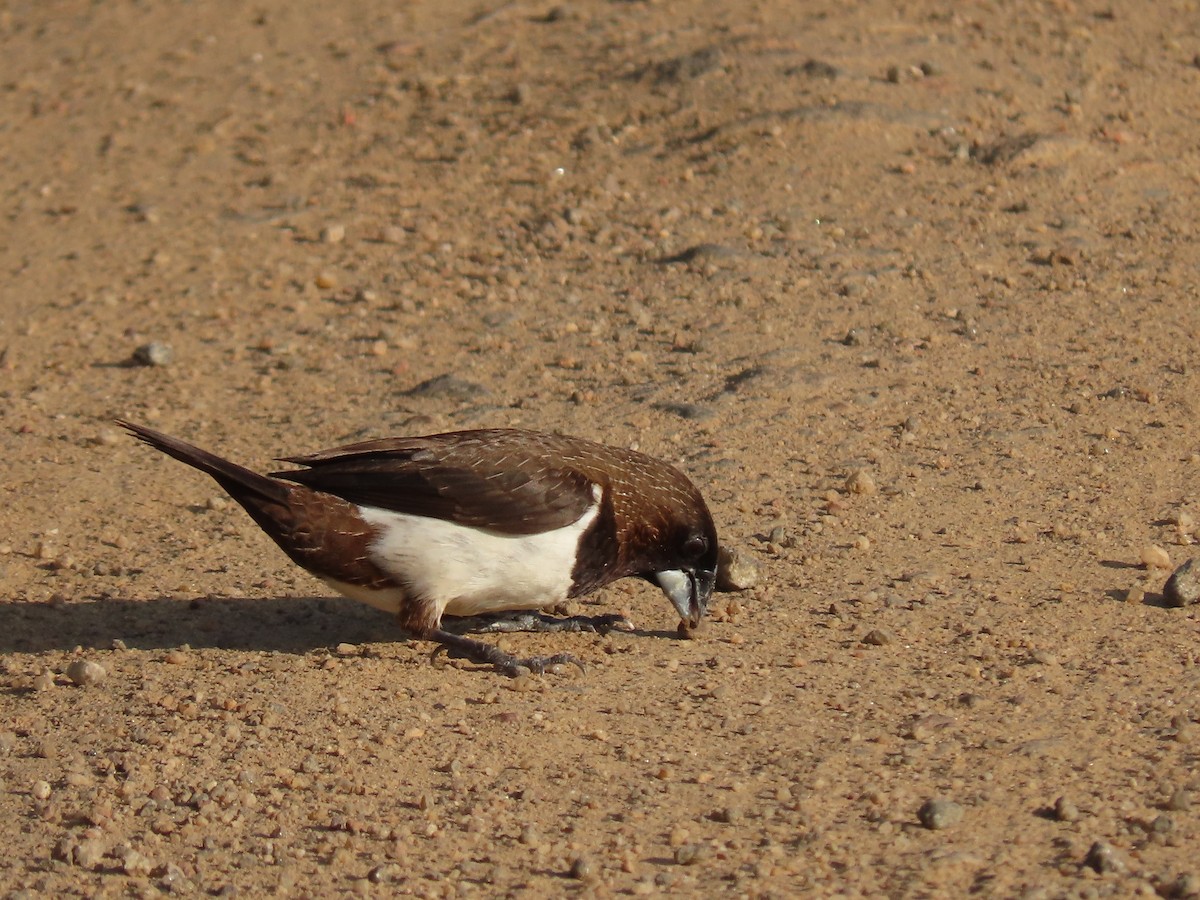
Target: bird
[(485, 522)]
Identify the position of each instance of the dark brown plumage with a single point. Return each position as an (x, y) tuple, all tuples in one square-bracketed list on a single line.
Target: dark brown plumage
[(475, 522)]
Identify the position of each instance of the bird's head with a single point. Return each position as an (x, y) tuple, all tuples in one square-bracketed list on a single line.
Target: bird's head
[(686, 570)]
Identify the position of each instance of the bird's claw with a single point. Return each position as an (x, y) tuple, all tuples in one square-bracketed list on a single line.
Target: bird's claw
[(504, 662), (538, 665)]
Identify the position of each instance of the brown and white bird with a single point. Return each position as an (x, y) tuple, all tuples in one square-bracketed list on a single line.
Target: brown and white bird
[(477, 522)]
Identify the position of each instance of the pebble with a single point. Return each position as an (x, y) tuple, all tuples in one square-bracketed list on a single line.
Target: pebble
[(1065, 810), (717, 254), (136, 863), (729, 815), (154, 353), (860, 481), (43, 681), (1104, 857), (325, 280), (392, 234), (1155, 557), (1183, 587), (1179, 800), (387, 873), (88, 854), (694, 412), (582, 869), (40, 790), (938, 813), (691, 855), (878, 637), (448, 387), (333, 234), (84, 672), (736, 571)]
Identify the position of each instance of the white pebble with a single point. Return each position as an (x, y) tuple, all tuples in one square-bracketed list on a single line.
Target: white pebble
[(1155, 557), (860, 482), (85, 672)]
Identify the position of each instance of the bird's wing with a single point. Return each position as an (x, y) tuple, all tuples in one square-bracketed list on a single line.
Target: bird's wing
[(502, 485)]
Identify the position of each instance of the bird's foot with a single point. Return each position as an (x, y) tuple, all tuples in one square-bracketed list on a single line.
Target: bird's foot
[(506, 623), (456, 645)]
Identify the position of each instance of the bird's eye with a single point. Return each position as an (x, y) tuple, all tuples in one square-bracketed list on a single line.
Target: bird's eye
[(695, 546)]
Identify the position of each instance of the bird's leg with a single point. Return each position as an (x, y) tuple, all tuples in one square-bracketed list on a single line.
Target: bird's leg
[(528, 620), (458, 645)]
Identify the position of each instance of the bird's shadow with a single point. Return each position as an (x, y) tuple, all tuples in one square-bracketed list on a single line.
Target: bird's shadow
[(285, 624)]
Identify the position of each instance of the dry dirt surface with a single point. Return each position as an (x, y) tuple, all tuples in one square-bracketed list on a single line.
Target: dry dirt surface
[(910, 290)]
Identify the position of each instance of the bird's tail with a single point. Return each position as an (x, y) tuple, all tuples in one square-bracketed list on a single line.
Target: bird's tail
[(237, 480)]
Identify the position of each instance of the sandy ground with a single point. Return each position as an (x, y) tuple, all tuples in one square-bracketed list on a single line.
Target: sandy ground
[(912, 295)]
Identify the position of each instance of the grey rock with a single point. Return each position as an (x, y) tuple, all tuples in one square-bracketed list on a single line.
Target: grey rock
[(448, 387), (1183, 587), (938, 813), (154, 353)]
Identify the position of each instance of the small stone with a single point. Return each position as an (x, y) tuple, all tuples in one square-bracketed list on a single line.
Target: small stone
[(344, 649), (736, 571), (43, 681), (333, 234), (154, 353), (392, 234), (1155, 557), (85, 673), (1179, 800), (1105, 858), (136, 863), (691, 854), (938, 813), (448, 387), (40, 790), (325, 280), (860, 481), (387, 873), (878, 637), (582, 869), (1183, 587), (172, 878), (695, 412), (1187, 884), (1065, 810), (88, 854)]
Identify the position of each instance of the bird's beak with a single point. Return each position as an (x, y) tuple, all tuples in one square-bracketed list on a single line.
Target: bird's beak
[(688, 592)]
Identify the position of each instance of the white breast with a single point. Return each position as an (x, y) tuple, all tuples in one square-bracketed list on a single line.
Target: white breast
[(464, 571)]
